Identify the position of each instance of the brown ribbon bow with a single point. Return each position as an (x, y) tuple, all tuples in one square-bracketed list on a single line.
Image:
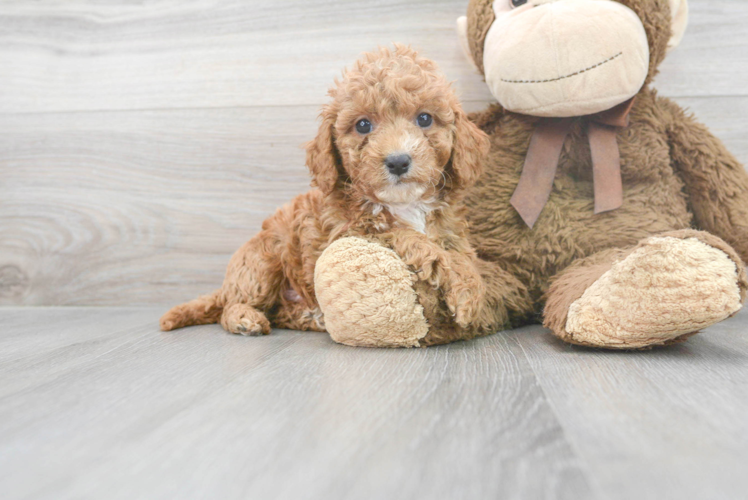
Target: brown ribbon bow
[(536, 181)]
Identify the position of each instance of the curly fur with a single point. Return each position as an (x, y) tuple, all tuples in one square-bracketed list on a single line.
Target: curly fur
[(269, 280)]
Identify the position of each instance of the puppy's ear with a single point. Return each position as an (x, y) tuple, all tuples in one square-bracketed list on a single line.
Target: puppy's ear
[(469, 152), (321, 155)]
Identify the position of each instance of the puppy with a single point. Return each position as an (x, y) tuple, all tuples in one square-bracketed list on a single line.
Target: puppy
[(391, 161)]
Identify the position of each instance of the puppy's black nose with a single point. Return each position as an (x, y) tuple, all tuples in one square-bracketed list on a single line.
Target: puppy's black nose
[(398, 164)]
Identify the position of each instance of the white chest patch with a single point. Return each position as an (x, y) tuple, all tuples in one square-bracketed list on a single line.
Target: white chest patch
[(414, 214)]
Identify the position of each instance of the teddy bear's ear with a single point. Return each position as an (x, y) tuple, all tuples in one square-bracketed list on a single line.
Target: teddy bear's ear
[(679, 12), (462, 34)]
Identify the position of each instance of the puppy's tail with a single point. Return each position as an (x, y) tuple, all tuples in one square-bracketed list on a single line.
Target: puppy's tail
[(200, 311)]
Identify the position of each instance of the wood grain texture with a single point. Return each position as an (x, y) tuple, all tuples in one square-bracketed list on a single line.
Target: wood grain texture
[(139, 207), (666, 423), (72, 56), (197, 53), (142, 143), (712, 59), (96, 403)]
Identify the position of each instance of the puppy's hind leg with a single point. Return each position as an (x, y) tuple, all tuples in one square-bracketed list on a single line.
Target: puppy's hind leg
[(252, 285)]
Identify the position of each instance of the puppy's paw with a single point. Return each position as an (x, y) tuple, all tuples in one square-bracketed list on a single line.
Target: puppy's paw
[(464, 299), (251, 328), (243, 319), (425, 258), (426, 269)]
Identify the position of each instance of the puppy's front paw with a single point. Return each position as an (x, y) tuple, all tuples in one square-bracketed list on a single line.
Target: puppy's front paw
[(464, 299), (426, 269), (422, 256)]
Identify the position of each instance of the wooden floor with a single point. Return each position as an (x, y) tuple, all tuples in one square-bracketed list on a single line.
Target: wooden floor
[(141, 143), (97, 403)]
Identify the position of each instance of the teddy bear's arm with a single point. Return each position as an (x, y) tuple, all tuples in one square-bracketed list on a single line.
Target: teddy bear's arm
[(716, 183)]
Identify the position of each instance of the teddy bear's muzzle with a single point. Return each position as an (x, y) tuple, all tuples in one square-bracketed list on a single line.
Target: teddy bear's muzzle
[(566, 58)]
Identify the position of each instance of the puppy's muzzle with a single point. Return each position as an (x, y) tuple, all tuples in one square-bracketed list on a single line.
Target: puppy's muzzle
[(398, 164)]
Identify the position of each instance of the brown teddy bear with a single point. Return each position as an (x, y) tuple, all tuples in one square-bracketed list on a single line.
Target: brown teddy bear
[(604, 209)]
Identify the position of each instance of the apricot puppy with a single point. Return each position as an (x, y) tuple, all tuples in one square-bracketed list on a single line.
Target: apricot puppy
[(391, 161)]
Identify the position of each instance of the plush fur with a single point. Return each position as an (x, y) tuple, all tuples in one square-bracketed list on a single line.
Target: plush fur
[(377, 273), (676, 175), (270, 280), (679, 183)]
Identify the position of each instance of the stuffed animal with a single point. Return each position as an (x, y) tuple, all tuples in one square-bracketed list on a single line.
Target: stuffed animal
[(607, 212)]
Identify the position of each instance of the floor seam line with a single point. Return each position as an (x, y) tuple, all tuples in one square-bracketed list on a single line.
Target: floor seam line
[(594, 485)]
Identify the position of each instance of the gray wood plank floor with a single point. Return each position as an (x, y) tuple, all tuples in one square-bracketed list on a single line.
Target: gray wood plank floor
[(97, 403)]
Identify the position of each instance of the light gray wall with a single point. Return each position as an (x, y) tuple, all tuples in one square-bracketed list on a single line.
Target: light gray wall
[(141, 144)]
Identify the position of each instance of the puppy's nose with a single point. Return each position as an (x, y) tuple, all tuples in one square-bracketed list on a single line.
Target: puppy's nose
[(398, 164)]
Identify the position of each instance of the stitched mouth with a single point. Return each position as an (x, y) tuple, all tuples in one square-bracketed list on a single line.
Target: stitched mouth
[(569, 75)]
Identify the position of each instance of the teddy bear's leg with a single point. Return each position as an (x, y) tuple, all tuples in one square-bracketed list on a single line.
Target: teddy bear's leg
[(369, 297), (665, 289), (366, 294)]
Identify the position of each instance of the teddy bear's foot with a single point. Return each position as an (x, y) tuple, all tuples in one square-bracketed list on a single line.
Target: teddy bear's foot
[(366, 294), (665, 289)]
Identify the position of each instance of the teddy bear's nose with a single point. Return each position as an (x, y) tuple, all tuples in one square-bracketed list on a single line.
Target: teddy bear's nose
[(398, 164)]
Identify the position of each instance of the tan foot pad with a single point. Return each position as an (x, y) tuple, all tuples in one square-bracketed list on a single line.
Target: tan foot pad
[(664, 289), (366, 294)]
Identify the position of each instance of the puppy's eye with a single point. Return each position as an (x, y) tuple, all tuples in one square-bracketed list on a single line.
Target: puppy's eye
[(424, 120), (517, 3), (363, 126)]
